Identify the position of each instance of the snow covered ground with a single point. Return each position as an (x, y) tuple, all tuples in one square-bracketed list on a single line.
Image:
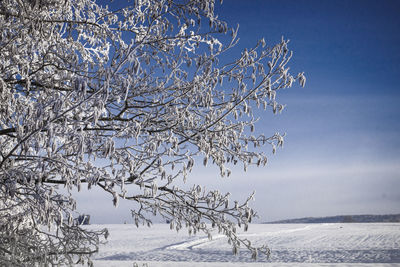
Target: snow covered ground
[(375, 244)]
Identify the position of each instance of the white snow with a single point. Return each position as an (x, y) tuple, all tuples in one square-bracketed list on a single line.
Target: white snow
[(375, 244)]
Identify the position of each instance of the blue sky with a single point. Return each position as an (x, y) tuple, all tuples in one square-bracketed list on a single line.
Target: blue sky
[(341, 153), (342, 144)]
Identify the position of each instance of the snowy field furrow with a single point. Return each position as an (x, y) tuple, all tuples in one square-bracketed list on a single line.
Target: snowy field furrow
[(291, 245)]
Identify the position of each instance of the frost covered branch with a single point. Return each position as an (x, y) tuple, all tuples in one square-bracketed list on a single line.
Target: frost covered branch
[(126, 100)]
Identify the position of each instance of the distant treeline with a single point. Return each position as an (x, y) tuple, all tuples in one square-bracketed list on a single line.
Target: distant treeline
[(346, 219)]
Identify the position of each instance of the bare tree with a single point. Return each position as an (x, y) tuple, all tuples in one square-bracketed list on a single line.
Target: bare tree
[(125, 100)]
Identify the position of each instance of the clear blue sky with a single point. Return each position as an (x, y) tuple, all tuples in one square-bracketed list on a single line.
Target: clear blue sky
[(342, 148)]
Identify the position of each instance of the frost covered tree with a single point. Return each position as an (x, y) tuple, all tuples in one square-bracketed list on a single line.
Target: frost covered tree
[(125, 99)]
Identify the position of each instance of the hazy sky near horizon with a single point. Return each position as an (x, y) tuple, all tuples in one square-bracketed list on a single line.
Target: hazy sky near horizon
[(341, 152)]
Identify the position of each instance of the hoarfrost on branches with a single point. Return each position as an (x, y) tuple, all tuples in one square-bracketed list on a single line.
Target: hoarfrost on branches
[(126, 100)]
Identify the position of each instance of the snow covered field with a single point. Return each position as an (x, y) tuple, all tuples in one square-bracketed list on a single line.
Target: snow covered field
[(375, 244)]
